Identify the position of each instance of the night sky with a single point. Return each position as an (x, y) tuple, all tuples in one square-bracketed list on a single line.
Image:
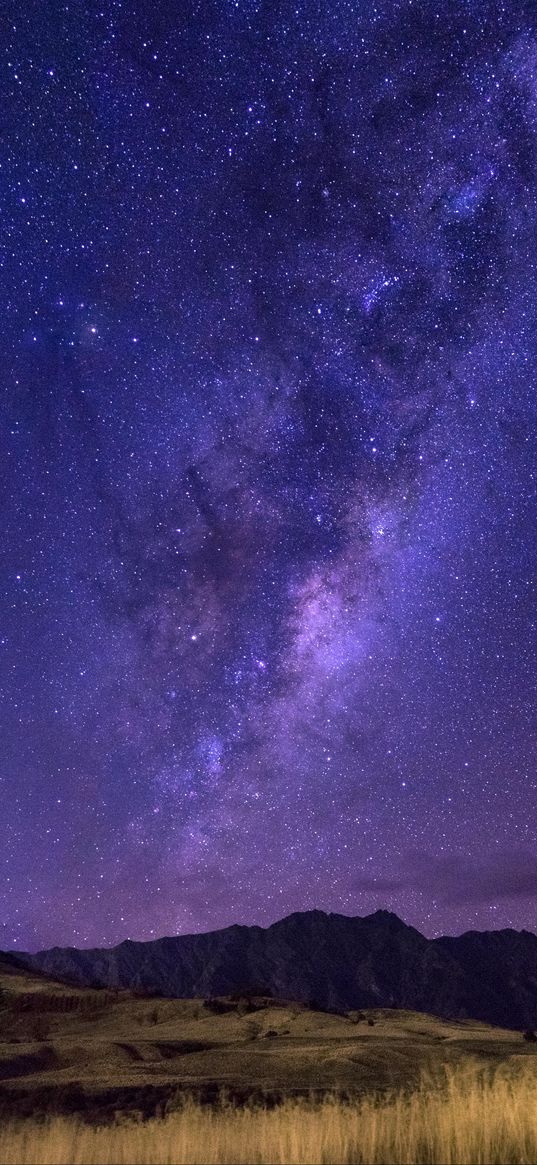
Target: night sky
[(268, 351)]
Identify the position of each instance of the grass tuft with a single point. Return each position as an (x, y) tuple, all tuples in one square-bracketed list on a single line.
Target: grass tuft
[(470, 1115)]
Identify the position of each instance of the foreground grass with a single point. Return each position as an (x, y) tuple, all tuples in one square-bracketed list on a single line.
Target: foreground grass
[(471, 1116)]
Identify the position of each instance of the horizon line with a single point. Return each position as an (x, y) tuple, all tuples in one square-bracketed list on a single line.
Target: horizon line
[(257, 926)]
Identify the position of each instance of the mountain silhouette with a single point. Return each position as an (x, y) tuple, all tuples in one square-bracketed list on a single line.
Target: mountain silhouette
[(326, 960)]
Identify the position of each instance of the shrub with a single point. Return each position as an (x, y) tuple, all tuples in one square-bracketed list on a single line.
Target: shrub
[(217, 1006), (258, 991)]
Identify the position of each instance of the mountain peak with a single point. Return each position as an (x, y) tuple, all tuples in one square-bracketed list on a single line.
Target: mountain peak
[(388, 916)]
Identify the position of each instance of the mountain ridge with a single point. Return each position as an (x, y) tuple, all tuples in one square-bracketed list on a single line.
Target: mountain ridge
[(334, 961)]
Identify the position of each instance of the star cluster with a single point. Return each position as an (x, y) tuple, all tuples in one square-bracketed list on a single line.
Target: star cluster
[(269, 304)]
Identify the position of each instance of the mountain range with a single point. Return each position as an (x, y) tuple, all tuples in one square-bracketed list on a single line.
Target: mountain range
[(330, 961)]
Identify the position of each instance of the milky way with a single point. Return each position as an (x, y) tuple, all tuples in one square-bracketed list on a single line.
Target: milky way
[(268, 347)]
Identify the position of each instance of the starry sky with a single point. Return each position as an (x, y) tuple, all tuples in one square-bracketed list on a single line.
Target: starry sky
[(269, 334)]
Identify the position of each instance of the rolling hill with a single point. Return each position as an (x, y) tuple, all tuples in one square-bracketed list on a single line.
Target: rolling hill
[(73, 1049)]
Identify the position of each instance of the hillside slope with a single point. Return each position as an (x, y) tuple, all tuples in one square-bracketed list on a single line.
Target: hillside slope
[(71, 1049)]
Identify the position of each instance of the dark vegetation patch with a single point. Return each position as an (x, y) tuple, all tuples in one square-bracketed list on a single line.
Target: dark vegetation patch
[(25, 1063), (241, 1003), (49, 1002), (219, 1006), (236, 1005), (145, 1101)]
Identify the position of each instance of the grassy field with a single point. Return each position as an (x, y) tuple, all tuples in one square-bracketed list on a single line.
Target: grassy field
[(98, 1076), (469, 1117)]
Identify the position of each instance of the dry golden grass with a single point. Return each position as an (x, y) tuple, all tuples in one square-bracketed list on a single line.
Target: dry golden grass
[(473, 1115)]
